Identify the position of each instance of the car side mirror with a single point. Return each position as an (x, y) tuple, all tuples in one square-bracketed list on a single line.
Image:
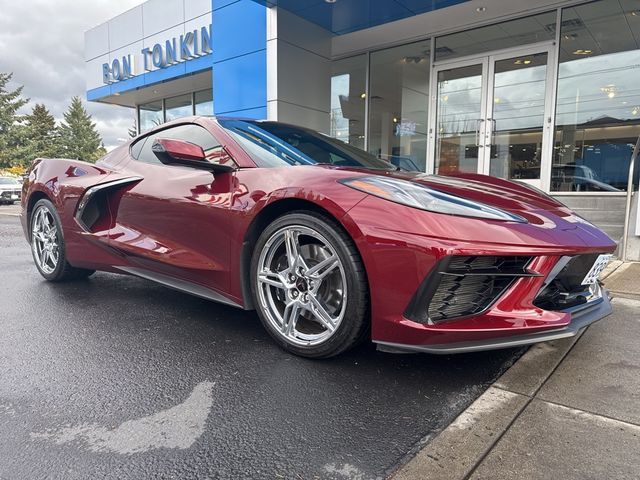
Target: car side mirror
[(179, 152)]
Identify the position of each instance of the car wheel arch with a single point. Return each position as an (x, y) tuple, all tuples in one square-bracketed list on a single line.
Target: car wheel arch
[(268, 214), (34, 198)]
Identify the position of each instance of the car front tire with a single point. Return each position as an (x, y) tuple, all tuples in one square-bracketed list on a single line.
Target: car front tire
[(309, 285), (48, 247)]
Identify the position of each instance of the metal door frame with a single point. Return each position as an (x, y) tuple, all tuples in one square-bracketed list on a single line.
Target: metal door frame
[(483, 61), (487, 61)]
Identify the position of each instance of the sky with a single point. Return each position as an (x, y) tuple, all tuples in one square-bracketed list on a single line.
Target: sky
[(42, 43)]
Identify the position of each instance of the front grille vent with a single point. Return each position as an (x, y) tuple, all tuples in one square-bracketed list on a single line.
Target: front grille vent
[(465, 285), (565, 290), (459, 296)]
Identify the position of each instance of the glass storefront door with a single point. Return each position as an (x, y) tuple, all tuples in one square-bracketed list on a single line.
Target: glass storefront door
[(460, 110), (492, 114)]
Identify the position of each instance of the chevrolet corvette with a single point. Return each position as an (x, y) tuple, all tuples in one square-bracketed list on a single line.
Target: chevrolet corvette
[(329, 244)]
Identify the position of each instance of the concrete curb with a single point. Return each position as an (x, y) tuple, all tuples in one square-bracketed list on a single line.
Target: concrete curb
[(460, 448), (456, 451)]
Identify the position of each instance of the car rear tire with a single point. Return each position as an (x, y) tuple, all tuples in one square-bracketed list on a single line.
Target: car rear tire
[(309, 285), (48, 247)]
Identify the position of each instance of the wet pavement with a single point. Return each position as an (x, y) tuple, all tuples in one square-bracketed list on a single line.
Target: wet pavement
[(115, 377)]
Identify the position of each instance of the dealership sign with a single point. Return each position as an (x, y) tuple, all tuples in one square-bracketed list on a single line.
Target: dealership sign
[(192, 44)]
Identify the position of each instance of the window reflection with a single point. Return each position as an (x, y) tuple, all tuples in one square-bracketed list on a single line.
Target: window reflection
[(204, 102), (348, 83), (458, 115), (399, 89), (179, 106), (518, 117), (150, 115), (598, 105)]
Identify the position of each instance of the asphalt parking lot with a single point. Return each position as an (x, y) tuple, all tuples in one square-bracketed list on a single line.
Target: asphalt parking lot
[(115, 377)]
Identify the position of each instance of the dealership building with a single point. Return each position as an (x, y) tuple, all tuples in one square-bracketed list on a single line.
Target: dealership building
[(544, 92)]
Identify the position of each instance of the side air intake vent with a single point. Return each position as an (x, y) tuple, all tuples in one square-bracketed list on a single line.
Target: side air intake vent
[(93, 209), (462, 286)]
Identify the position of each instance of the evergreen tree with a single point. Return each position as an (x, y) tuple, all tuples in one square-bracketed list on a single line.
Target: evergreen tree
[(40, 136), (78, 135), (133, 131), (10, 129)]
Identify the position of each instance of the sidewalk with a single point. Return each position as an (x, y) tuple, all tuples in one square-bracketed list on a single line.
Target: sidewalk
[(568, 409)]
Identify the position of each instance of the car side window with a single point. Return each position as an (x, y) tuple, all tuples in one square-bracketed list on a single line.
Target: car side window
[(189, 133), (137, 147)]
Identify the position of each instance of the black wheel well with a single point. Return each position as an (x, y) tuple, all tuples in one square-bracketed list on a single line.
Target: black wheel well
[(33, 199), (267, 215)]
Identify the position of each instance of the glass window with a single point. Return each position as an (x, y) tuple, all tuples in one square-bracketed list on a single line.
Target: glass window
[(137, 147), (273, 144), (150, 115), (348, 84), (177, 107), (189, 133), (518, 119), (399, 97), (514, 33), (598, 104), (204, 102), (459, 108)]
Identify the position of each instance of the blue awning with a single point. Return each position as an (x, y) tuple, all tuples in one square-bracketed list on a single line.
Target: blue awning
[(345, 16)]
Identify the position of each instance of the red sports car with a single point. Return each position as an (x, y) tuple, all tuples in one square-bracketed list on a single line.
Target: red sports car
[(329, 244)]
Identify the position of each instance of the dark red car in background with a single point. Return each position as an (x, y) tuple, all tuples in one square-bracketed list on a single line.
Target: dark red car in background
[(330, 245)]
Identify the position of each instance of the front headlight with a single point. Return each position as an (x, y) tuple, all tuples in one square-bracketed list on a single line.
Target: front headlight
[(425, 198)]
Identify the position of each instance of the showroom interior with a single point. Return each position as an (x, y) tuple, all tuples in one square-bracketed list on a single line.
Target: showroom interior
[(543, 92)]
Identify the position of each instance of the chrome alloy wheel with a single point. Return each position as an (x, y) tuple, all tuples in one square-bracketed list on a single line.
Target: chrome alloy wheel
[(302, 286), (45, 240)]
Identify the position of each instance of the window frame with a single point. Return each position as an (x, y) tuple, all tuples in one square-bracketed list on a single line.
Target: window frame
[(144, 137)]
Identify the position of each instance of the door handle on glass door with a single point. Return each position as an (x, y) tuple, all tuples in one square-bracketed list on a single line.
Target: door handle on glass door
[(489, 136), (479, 123)]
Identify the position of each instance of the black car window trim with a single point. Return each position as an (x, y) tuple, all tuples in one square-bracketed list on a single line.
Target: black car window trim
[(143, 140)]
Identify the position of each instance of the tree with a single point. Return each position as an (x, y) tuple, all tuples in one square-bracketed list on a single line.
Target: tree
[(133, 131), (39, 136), (10, 102), (78, 135)]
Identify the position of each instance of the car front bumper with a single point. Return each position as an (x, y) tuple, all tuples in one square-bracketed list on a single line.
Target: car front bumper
[(581, 317), (10, 195)]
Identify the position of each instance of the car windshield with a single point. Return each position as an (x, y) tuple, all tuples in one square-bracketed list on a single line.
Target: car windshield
[(9, 181), (273, 144)]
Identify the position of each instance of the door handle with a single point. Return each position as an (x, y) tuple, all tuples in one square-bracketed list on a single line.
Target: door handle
[(489, 136), (479, 123)]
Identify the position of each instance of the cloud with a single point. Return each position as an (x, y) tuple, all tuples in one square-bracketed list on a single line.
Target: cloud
[(42, 43)]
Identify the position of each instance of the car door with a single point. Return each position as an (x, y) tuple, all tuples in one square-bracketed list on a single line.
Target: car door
[(173, 226)]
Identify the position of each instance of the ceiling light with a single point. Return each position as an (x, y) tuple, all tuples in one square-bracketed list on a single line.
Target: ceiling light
[(610, 90), (481, 9), (395, 120), (496, 100), (330, 1), (580, 51), (635, 13), (634, 111), (527, 62), (363, 95)]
